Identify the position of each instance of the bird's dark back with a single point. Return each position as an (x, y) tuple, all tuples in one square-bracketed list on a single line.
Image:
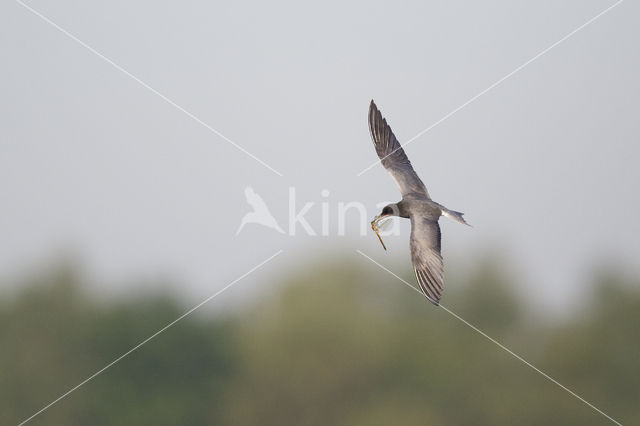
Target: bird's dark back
[(419, 208)]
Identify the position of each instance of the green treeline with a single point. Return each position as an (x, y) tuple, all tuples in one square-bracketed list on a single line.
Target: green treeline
[(335, 344)]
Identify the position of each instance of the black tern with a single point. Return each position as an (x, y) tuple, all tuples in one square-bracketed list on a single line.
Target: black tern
[(416, 205)]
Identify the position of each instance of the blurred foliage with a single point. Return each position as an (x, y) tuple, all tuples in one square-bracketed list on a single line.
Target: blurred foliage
[(341, 344)]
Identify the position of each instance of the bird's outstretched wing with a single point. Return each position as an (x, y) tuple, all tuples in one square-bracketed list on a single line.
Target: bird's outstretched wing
[(426, 258), (392, 155)]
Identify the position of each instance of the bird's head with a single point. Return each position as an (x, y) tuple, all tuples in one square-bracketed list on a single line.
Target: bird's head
[(390, 210)]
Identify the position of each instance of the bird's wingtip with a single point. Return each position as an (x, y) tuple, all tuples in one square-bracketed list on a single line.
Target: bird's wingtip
[(433, 300)]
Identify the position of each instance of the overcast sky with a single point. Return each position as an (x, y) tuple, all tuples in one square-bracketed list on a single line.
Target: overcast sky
[(544, 165)]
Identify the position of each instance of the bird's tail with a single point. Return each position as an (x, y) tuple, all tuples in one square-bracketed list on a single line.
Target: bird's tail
[(457, 216)]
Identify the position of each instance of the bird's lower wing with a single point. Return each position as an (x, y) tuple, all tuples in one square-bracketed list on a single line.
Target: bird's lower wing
[(426, 258)]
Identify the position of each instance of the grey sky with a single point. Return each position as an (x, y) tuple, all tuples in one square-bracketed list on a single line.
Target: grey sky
[(544, 165)]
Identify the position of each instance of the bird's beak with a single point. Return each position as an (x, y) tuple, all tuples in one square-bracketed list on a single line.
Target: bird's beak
[(374, 226)]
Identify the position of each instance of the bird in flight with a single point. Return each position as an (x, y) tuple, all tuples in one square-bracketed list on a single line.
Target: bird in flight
[(416, 205)]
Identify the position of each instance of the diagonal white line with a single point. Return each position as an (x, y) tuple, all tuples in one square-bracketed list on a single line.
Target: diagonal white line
[(149, 338), (143, 84), (496, 83), (515, 355)]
